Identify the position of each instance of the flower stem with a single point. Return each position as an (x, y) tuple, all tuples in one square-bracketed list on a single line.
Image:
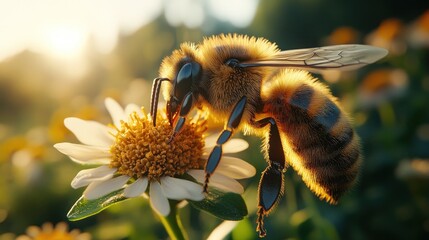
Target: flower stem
[(173, 225)]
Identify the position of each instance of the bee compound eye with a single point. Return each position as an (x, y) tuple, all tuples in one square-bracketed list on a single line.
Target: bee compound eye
[(232, 62)]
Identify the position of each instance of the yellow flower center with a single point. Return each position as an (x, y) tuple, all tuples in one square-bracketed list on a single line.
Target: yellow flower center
[(142, 150)]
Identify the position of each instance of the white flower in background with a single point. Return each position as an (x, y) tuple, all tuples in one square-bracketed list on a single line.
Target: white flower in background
[(135, 155)]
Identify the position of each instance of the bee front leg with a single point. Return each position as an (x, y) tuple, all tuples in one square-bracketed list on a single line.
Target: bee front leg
[(271, 185), (225, 135), (185, 108), (154, 98)]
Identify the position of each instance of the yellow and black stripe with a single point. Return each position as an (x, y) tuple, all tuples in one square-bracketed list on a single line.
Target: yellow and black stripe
[(318, 139)]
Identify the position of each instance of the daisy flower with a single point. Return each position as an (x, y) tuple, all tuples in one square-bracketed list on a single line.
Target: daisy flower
[(134, 155), (50, 232)]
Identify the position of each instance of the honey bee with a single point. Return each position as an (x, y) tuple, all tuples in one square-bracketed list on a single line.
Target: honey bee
[(251, 85)]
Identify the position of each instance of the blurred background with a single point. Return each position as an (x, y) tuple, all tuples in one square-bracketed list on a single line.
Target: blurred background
[(62, 58)]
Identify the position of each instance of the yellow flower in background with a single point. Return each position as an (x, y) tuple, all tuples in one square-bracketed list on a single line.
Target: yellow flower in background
[(50, 232), (343, 35), (382, 85), (418, 33), (33, 142), (134, 155), (416, 169), (389, 35)]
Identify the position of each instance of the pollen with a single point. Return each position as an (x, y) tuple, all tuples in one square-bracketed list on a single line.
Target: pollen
[(142, 150)]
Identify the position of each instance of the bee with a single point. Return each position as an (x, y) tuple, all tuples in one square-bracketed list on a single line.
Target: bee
[(250, 85)]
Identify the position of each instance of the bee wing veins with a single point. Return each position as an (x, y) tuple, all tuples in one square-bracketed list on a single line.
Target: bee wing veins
[(340, 57)]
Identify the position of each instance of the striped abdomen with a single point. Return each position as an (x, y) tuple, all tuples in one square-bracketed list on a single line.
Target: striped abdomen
[(317, 136)]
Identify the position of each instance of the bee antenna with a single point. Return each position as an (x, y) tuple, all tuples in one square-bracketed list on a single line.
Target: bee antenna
[(156, 87)]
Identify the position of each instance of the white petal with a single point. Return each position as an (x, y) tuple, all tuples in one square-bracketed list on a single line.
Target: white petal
[(158, 200), (130, 108), (235, 168), (136, 188), (178, 189), (210, 142), (84, 153), (85, 177), (95, 161), (99, 189), (199, 175), (235, 145), (232, 146), (89, 132), (116, 111), (221, 231), (226, 183), (219, 181)]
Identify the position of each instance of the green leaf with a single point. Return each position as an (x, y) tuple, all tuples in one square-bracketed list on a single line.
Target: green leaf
[(226, 206), (84, 208)]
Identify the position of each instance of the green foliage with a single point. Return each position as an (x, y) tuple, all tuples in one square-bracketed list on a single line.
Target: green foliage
[(84, 208), (226, 206)]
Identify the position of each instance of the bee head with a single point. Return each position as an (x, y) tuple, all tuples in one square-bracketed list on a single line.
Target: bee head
[(183, 71), (183, 84)]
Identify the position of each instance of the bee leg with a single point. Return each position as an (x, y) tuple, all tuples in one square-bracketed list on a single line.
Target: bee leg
[(185, 108), (271, 185), (225, 135), (154, 98)]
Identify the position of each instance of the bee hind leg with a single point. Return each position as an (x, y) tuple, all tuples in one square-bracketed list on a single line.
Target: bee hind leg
[(225, 135), (271, 185)]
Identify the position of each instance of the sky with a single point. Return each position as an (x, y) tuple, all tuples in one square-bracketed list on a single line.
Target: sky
[(61, 28)]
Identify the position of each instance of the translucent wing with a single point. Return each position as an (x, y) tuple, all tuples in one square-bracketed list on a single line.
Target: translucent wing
[(341, 57)]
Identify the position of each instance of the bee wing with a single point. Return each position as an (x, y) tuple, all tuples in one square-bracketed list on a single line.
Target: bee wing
[(341, 57)]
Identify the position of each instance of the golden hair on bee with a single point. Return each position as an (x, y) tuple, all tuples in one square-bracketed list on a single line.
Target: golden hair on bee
[(171, 65), (216, 50), (249, 84), (225, 84)]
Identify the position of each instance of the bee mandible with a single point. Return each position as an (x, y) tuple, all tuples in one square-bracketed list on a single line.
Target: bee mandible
[(251, 85)]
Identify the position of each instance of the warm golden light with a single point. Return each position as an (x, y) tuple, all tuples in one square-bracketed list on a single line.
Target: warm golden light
[(64, 42), (64, 45)]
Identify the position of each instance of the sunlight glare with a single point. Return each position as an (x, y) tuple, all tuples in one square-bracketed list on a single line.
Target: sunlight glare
[(187, 12), (65, 42), (65, 46), (238, 12), (62, 28)]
